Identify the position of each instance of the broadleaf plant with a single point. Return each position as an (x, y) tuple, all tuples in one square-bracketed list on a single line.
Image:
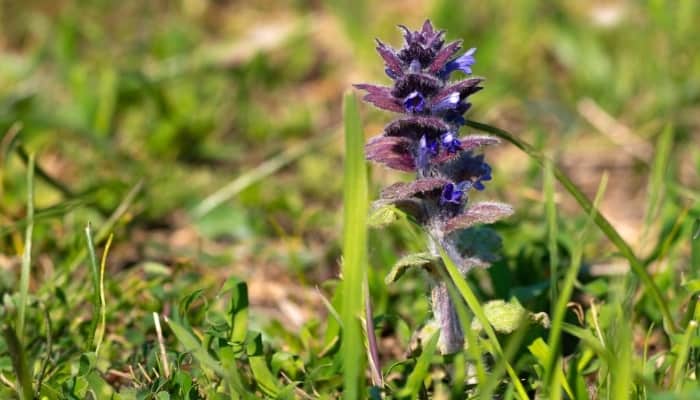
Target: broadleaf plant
[(424, 139)]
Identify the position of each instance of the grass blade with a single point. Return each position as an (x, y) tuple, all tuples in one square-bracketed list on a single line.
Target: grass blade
[(656, 188), (685, 345), (20, 365), (102, 324), (104, 230), (415, 380), (475, 306), (553, 234), (192, 345), (26, 251), (263, 170), (355, 209), (599, 219), (264, 378), (566, 291)]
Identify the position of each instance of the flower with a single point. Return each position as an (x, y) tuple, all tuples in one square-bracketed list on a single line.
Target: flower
[(450, 142), (414, 102), (425, 140), (426, 150), (456, 115), (451, 193), (447, 103), (462, 63)]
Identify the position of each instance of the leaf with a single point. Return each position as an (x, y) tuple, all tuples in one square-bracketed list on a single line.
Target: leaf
[(486, 212), (238, 311), (383, 215), (256, 358), (354, 266), (480, 245), (406, 262), (381, 97), (464, 87), (467, 143), (505, 317), (191, 344), (412, 208), (405, 190), (414, 127), (392, 61), (415, 381), (444, 55), (392, 151)]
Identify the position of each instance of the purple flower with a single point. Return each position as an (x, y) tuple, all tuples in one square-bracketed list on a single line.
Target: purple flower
[(414, 102), (462, 63), (391, 74), (414, 67), (450, 194), (453, 194), (447, 103), (456, 115), (426, 149), (450, 142), (481, 171), (425, 140)]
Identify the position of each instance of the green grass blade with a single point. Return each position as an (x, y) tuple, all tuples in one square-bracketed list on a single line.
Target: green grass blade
[(20, 365), (567, 289), (354, 248), (656, 187), (227, 368), (191, 344), (95, 274), (256, 174), (105, 229), (600, 220), (478, 311), (414, 384), (552, 231), (238, 312), (102, 324), (258, 365), (685, 345), (26, 252)]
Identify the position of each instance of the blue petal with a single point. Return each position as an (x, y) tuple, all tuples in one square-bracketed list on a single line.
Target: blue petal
[(414, 102), (462, 63)]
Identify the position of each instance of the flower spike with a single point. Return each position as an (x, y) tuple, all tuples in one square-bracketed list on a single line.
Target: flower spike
[(425, 140)]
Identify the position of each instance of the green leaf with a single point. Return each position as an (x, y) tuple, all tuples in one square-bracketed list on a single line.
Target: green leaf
[(383, 215), (479, 243), (406, 262), (192, 345), (256, 358), (20, 364), (505, 317), (354, 267), (415, 381), (238, 311)]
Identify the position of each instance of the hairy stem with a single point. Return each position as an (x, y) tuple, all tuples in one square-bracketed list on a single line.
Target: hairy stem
[(451, 336)]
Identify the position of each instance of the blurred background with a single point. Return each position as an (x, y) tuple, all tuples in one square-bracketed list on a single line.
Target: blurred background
[(206, 135)]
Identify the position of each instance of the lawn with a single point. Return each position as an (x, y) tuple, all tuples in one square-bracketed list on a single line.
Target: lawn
[(187, 212)]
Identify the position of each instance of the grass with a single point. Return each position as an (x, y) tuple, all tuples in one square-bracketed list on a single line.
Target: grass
[(228, 254)]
